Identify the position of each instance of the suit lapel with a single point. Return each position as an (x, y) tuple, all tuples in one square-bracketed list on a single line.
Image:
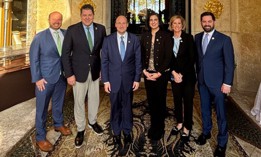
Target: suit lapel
[(83, 35), (96, 31), (211, 42), (51, 41), (115, 42)]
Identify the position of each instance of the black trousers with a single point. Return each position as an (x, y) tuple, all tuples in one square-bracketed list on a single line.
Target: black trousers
[(156, 96), (183, 94)]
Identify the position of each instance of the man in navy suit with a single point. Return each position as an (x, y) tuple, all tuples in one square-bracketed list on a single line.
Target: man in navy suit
[(121, 73), (215, 72), (82, 64), (46, 71)]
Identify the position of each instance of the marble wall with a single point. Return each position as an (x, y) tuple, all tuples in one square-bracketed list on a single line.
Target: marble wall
[(240, 20)]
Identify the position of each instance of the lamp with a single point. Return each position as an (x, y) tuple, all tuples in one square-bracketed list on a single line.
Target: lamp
[(6, 8)]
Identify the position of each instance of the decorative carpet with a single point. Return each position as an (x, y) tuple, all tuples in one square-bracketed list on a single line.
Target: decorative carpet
[(241, 125), (102, 146)]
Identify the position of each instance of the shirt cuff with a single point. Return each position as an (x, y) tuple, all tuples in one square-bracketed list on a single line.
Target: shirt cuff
[(226, 85)]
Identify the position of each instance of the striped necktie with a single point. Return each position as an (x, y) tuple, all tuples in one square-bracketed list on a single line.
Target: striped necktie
[(89, 38)]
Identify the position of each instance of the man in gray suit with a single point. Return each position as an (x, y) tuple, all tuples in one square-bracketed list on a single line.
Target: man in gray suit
[(82, 63), (46, 71)]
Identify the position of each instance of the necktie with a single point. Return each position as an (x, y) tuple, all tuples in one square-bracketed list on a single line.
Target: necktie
[(205, 44), (122, 48), (58, 42), (89, 38)]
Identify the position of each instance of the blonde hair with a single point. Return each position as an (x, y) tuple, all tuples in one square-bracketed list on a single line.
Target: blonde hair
[(173, 18)]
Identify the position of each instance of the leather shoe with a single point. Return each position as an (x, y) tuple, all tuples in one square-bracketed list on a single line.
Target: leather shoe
[(117, 142), (202, 139), (220, 152), (79, 139), (63, 130), (127, 140), (45, 145)]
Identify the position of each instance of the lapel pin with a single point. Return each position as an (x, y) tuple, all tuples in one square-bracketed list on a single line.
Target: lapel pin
[(181, 40), (212, 38), (96, 28), (128, 41), (157, 39)]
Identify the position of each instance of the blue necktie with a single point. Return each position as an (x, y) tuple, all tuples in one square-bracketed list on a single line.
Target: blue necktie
[(122, 48), (205, 44)]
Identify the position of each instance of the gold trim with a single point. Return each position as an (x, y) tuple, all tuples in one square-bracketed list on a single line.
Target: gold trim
[(214, 6), (88, 2)]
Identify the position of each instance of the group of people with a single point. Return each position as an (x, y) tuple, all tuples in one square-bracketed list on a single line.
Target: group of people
[(83, 53)]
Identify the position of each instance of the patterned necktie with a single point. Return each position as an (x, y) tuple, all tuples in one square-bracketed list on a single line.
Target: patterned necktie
[(205, 44), (89, 38), (58, 42), (122, 48)]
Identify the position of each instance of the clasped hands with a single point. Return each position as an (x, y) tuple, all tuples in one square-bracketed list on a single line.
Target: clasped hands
[(151, 76), (177, 76)]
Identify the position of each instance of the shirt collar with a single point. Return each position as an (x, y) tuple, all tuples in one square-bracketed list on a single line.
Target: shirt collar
[(90, 27), (52, 30), (209, 33), (124, 35)]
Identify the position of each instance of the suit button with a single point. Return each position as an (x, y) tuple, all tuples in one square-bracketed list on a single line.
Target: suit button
[(89, 64), (90, 55)]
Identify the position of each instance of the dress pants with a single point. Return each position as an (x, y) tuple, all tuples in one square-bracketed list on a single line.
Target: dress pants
[(206, 95), (121, 111), (183, 94), (56, 92), (80, 89), (156, 96)]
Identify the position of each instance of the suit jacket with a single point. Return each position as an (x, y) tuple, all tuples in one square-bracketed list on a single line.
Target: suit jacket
[(186, 58), (45, 60), (77, 58), (217, 65), (162, 50), (116, 71)]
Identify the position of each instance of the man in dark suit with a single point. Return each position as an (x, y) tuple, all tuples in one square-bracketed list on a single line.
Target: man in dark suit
[(81, 62), (121, 72), (46, 71), (215, 72)]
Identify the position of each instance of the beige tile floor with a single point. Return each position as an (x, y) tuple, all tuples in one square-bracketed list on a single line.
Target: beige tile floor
[(18, 120)]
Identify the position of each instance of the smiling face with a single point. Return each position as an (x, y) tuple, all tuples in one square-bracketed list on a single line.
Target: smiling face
[(177, 25), (87, 17), (207, 23), (121, 24), (55, 20), (154, 22)]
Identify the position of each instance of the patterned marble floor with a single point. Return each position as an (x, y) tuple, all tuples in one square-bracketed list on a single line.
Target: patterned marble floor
[(18, 121)]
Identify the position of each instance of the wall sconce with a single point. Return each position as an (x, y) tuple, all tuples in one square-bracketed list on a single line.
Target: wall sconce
[(6, 8)]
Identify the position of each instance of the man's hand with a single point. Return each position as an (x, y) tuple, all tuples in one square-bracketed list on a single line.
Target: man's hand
[(107, 87), (135, 86), (41, 84), (225, 89), (71, 80)]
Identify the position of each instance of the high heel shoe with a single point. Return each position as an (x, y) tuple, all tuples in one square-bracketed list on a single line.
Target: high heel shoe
[(185, 136), (175, 130)]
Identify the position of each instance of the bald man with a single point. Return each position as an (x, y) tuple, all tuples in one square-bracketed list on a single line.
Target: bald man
[(46, 72), (121, 73)]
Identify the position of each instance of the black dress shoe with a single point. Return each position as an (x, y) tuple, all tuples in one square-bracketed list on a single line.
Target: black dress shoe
[(79, 139), (220, 152), (117, 142), (202, 139), (96, 128), (127, 140)]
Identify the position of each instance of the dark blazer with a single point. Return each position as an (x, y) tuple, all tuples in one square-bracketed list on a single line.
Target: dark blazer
[(77, 58), (116, 71), (217, 65), (162, 50), (45, 61), (186, 58)]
